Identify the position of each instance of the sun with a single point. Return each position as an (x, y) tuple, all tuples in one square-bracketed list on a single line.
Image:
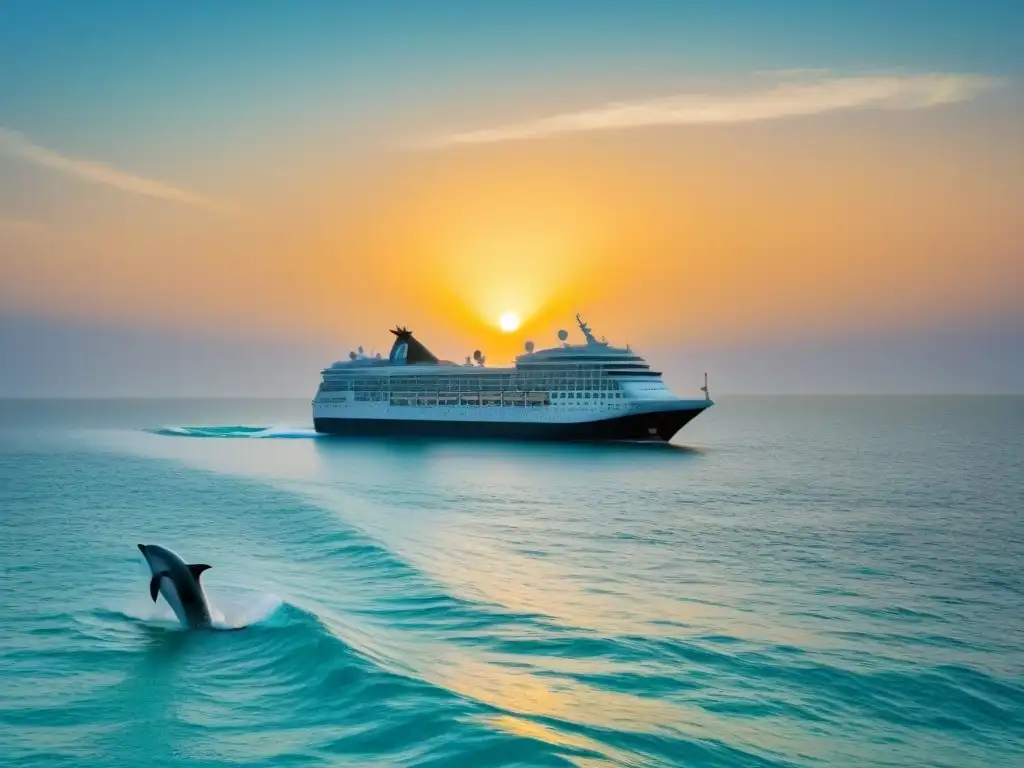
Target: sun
[(509, 322)]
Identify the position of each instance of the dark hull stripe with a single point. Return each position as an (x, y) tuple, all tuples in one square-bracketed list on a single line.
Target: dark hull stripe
[(661, 427)]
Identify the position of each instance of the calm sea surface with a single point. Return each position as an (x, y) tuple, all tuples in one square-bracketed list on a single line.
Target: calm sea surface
[(795, 582)]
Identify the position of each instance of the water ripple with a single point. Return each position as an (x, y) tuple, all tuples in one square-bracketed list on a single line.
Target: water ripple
[(804, 593)]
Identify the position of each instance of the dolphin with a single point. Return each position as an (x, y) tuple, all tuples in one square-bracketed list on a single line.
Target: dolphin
[(178, 582)]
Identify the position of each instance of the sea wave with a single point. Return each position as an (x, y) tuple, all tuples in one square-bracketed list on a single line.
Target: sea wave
[(445, 605), (233, 690)]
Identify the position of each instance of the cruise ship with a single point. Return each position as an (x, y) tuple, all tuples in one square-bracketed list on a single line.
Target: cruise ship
[(571, 392)]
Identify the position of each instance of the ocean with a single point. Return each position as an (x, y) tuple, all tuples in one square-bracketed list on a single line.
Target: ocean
[(795, 581)]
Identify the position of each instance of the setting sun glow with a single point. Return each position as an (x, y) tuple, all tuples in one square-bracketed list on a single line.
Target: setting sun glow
[(509, 322)]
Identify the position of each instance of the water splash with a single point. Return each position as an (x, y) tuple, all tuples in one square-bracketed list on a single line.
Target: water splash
[(230, 611)]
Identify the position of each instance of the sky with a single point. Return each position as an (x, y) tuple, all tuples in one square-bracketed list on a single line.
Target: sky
[(221, 198)]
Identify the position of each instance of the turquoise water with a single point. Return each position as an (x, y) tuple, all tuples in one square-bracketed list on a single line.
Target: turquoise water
[(796, 582)]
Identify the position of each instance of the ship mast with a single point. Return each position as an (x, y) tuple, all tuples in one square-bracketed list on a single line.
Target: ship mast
[(586, 330)]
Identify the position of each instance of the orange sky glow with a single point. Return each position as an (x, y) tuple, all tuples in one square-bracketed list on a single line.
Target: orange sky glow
[(722, 234)]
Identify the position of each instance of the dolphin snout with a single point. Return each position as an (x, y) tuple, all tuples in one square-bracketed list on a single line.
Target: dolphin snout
[(142, 548)]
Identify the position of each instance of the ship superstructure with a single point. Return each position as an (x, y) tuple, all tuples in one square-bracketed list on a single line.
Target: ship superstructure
[(589, 391)]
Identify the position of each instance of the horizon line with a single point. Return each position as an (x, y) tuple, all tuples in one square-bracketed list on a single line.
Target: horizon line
[(185, 398)]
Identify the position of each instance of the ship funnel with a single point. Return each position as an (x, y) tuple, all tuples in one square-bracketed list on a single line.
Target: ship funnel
[(407, 349)]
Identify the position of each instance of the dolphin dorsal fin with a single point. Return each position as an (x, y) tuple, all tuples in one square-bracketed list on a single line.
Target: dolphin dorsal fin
[(154, 584), (196, 570)]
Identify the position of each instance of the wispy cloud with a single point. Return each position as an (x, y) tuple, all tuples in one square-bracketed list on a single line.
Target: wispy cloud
[(17, 145), (800, 93)]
